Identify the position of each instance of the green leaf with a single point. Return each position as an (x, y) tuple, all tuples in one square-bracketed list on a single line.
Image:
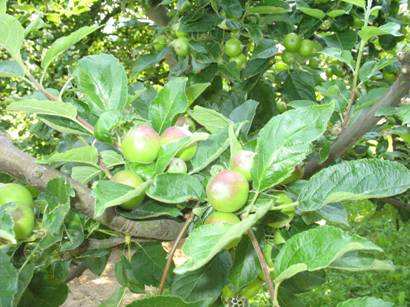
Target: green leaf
[(209, 150), (204, 242), (195, 90), (115, 300), (74, 232), (103, 82), (402, 111), (284, 142), (148, 60), (150, 209), (64, 125), (266, 9), (11, 69), (35, 24), (162, 300), (245, 113), (84, 174), (390, 28), (144, 269), (371, 68), (344, 56), (360, 3), (316, 249), (7, 224), (64, 43), (299, 85), (336, 13), (366, 301), (212, 120), (84, 155), (170, 150), (246, 267), (316, 13), (205, 284), (172, 188), (44, 107), (57, 194), (105, 124), (356, 263), (169, 102), (8, 280), (3, 6), (111, 158), (110, 194), (11, 35), (354, 180)]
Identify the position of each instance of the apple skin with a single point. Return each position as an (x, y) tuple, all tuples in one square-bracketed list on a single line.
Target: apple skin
[(224, 217), (242, 163), (23, 217), (141, 145), (15, 193), (173, 134), (130, 179), (185, 122), (228, 191), (177, 166)]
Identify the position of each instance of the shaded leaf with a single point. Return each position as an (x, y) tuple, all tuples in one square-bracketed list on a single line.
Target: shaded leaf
[(212, 120), (11, 35), (85, 155), (366, 301), (10, 69)]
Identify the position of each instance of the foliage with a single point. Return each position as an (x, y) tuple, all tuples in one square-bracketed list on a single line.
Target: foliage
[(277, 78)]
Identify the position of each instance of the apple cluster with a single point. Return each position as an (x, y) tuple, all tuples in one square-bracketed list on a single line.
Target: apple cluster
[(142, 145)]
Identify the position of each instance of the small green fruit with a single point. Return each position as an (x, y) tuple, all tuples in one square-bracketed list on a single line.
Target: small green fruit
[(242, 163), (223, 217), (186, 122), (281, 66), (23, 217), (160, 42), (281, 106), (227, 191), (240, 61), (289, 57), (292, 42), (173, 134), (307, 48), (130, 179), (181, 46), (233, 47), (177, 166), (15, 193), (141, 145)]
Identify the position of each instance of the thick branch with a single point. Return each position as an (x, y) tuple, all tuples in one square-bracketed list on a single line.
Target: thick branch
[(366, 121), (23, 166)]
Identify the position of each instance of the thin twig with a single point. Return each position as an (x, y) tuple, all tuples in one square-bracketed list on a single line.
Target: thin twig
[(396, 203), (264, 265), (104, 169), (173, 249)]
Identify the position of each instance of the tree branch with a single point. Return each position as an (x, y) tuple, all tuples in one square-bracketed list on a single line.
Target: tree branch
[(21, 165), (366, 120)]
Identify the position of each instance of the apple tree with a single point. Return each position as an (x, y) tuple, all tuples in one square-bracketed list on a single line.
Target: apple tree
[(238, 136)]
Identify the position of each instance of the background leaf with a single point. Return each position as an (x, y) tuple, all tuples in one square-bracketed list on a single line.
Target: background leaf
[(354, 180), (11, 35)]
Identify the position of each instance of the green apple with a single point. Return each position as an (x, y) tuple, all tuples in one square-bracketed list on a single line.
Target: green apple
[(141, 145), (177, 166), (15, 193), (130, 179), (242, 163), (233, 47), (227, 191), (174, 134)]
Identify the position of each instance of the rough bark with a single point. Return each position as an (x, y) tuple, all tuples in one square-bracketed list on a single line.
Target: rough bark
[(23, 166)]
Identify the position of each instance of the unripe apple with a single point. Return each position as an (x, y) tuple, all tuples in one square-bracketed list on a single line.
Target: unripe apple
[(173, 134), (23, 217), (233, 47), (242, 163), (227, 191), (141, 144), (224, 217), (130, 179), (15, 193), (185, 122), (177, 166)]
